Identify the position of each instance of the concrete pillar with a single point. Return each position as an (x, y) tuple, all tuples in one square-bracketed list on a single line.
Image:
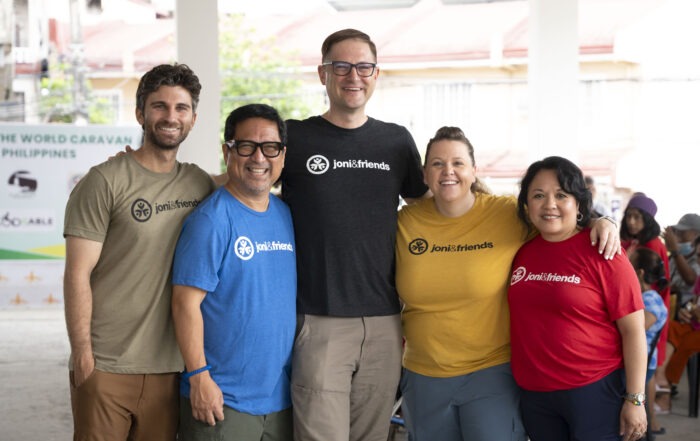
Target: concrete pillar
[(553, 78), (6, 59), (197, 40)]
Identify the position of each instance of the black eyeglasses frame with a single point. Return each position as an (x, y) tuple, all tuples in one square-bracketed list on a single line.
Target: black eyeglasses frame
[(235, 144), (349, 66)]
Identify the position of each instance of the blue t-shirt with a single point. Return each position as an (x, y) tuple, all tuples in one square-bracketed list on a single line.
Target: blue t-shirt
[(245, 261), (655, 305)]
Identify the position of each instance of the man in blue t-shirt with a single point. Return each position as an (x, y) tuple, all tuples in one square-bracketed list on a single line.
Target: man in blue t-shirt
[(234, 292)]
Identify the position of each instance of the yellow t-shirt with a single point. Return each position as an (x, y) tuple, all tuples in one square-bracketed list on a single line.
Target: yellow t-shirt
[(452, 275)]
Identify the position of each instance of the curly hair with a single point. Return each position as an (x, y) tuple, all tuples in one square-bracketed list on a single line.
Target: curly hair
[(168, 75)]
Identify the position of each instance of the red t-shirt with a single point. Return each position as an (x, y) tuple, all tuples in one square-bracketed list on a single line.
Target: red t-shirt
[(564, 300)]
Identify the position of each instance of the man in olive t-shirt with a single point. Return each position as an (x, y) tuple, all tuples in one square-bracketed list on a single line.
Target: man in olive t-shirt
[(121, 225)]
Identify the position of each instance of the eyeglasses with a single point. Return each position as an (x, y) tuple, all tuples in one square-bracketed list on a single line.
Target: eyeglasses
[(245, 148), (342, 68)]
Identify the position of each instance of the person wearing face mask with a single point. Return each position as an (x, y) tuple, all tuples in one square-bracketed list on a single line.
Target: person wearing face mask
[(683, 262), (683, 341)]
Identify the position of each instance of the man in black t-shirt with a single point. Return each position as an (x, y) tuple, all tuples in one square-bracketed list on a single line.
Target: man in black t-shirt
[(343, 176)]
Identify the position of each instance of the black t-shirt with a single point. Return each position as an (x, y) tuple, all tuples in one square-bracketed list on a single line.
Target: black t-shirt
[(343, 187)]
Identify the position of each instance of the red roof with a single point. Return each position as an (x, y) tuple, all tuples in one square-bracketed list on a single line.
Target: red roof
[(428, 31)]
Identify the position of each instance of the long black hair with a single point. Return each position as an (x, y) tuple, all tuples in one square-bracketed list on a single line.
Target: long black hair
[(651, 227)]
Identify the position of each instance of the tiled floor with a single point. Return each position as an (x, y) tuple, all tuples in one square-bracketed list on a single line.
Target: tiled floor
[(680, 427)]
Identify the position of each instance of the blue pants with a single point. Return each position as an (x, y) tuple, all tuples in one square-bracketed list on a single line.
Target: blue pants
[(587, 413), (480, 406)]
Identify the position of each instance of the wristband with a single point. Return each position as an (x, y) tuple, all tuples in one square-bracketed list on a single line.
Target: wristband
[(195, 372)]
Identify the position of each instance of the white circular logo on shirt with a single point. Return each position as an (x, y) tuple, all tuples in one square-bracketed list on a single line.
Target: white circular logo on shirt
[(243, 247), (518, 275), (317, 164)]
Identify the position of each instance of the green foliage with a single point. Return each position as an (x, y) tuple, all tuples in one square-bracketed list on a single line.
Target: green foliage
[(56, 100), (254, 70)]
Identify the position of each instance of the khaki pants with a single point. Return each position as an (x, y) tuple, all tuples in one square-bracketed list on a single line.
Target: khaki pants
[(136, 407), (345, 375)]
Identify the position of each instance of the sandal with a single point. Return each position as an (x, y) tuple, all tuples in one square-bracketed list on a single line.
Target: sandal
[(663, 388), (660, 410)]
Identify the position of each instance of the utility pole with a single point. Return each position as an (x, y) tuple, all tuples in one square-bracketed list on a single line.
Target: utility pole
[(77, 57)]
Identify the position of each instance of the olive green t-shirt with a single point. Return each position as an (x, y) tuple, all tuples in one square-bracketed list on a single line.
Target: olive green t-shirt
[(137, 215)]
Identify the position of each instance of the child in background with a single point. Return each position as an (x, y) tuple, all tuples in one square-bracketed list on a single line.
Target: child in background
[(651, 274)]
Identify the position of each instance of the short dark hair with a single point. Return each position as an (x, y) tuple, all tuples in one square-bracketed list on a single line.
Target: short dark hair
[(254, 111), (456, 134), (168, 75), (653, 266), (570, 179), (346, 34)]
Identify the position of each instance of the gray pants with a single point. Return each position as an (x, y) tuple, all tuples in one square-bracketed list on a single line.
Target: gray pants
[(236, 426), (345, 374), (480, 406)]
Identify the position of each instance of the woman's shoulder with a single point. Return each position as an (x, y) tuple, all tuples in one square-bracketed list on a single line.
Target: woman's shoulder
[(419, 207), (499, 203)]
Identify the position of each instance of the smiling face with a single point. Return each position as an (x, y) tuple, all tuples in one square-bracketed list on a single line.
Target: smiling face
[(348, 93), (250, 178), (167, 117), (550, 209), (449, 172)]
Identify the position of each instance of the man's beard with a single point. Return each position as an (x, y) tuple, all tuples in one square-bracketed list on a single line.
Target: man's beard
[(152, 138)]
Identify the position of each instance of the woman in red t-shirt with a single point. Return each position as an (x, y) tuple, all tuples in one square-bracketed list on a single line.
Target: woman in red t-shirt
[(577, 322)]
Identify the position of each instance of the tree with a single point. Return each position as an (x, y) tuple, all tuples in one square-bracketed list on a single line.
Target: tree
[(256, 71), (56, 100)]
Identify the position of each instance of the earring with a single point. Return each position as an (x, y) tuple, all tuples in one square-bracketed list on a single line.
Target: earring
[(579, 217)]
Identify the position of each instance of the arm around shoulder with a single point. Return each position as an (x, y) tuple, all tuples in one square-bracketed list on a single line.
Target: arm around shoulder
[(605, 234)]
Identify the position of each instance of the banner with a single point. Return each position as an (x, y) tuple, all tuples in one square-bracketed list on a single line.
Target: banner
[(39, 166)]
